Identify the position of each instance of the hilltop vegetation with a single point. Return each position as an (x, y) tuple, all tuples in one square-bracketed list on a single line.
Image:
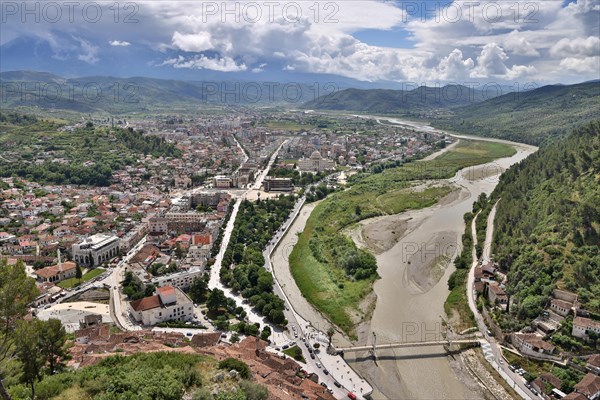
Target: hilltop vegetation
[(528, 117), (331, 272), (145, 376), (547, 226), (45, 151)]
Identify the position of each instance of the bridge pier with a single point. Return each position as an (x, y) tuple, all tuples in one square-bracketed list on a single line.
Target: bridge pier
[(374, 347)]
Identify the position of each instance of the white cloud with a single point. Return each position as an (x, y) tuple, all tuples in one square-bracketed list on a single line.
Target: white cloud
[(119, 43), (579, 47), (517, 43), (491, 63), (223, 64), (454, 66), (88, 52), (581, 65), (260, 68), (196, 42)]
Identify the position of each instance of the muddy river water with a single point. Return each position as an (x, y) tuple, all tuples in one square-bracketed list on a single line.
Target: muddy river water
[(414, 270)]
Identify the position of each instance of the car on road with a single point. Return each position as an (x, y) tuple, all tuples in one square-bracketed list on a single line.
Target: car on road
[(326, 372), (336, 383), (312, 355), (512, 367), (352, 396), (323, 384), (285, 346), (319, 365)]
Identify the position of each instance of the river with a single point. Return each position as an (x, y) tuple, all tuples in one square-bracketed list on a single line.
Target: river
[(413, 288)]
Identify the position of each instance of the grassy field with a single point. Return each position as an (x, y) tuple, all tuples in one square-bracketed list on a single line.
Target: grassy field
[(293, 352), (329, 288), (72, 282)]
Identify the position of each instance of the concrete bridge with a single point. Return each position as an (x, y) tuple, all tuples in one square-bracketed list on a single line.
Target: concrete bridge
[(372, 348)]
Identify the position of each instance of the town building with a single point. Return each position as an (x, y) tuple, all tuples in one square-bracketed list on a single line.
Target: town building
[(167, 304), (315, 163), (544, 381), (532, 345), (57, 273), (272, 184), (496, 294), (561, 307), (181, 280), (583, 326), (589, 387), (95, 250), (222, 182)]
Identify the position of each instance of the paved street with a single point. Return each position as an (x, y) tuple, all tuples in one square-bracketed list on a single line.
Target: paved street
[(491, 349)]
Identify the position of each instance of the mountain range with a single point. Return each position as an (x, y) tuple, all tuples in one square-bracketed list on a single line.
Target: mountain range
[(527, 116)]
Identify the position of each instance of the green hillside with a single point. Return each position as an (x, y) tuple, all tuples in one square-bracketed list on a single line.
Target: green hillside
[(547, 226), (44, 151), (528, 117), (397, 101)]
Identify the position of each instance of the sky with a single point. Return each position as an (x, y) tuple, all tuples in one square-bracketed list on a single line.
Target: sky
[(425, 42)]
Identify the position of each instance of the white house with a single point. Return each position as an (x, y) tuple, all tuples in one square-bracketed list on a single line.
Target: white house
[(583, 326), (169, 303)]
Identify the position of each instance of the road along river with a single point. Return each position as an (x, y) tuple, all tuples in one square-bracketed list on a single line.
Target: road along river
[(414, 267)]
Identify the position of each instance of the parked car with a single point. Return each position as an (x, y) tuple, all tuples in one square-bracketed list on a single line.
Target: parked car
[(319, 365), (326, 372), (312, 355), (336, 383)]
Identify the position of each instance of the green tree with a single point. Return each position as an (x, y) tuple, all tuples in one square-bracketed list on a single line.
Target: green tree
[(216, 299), (17, 290), (330, 333), (53, 344), (78, 273), (198, 291), (28, 352), (266, 333)]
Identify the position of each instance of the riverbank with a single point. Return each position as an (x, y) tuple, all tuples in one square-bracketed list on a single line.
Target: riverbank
[(318, 261)]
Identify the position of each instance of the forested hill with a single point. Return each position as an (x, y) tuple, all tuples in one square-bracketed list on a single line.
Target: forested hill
[(547, 226), (528, 117), (384, 101), (47, 151)]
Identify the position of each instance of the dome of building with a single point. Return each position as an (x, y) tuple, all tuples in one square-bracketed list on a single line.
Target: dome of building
[(315, 155)]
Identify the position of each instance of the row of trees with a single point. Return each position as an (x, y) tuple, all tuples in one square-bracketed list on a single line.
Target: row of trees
[(243, 260)]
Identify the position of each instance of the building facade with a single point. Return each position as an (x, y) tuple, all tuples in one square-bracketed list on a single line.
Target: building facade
[(315, 163), (95, 250), (271, 184), (168, 304)]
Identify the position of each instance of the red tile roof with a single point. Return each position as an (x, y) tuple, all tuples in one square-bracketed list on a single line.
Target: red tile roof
[(589, 385), (147, 303), (48, 272)]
